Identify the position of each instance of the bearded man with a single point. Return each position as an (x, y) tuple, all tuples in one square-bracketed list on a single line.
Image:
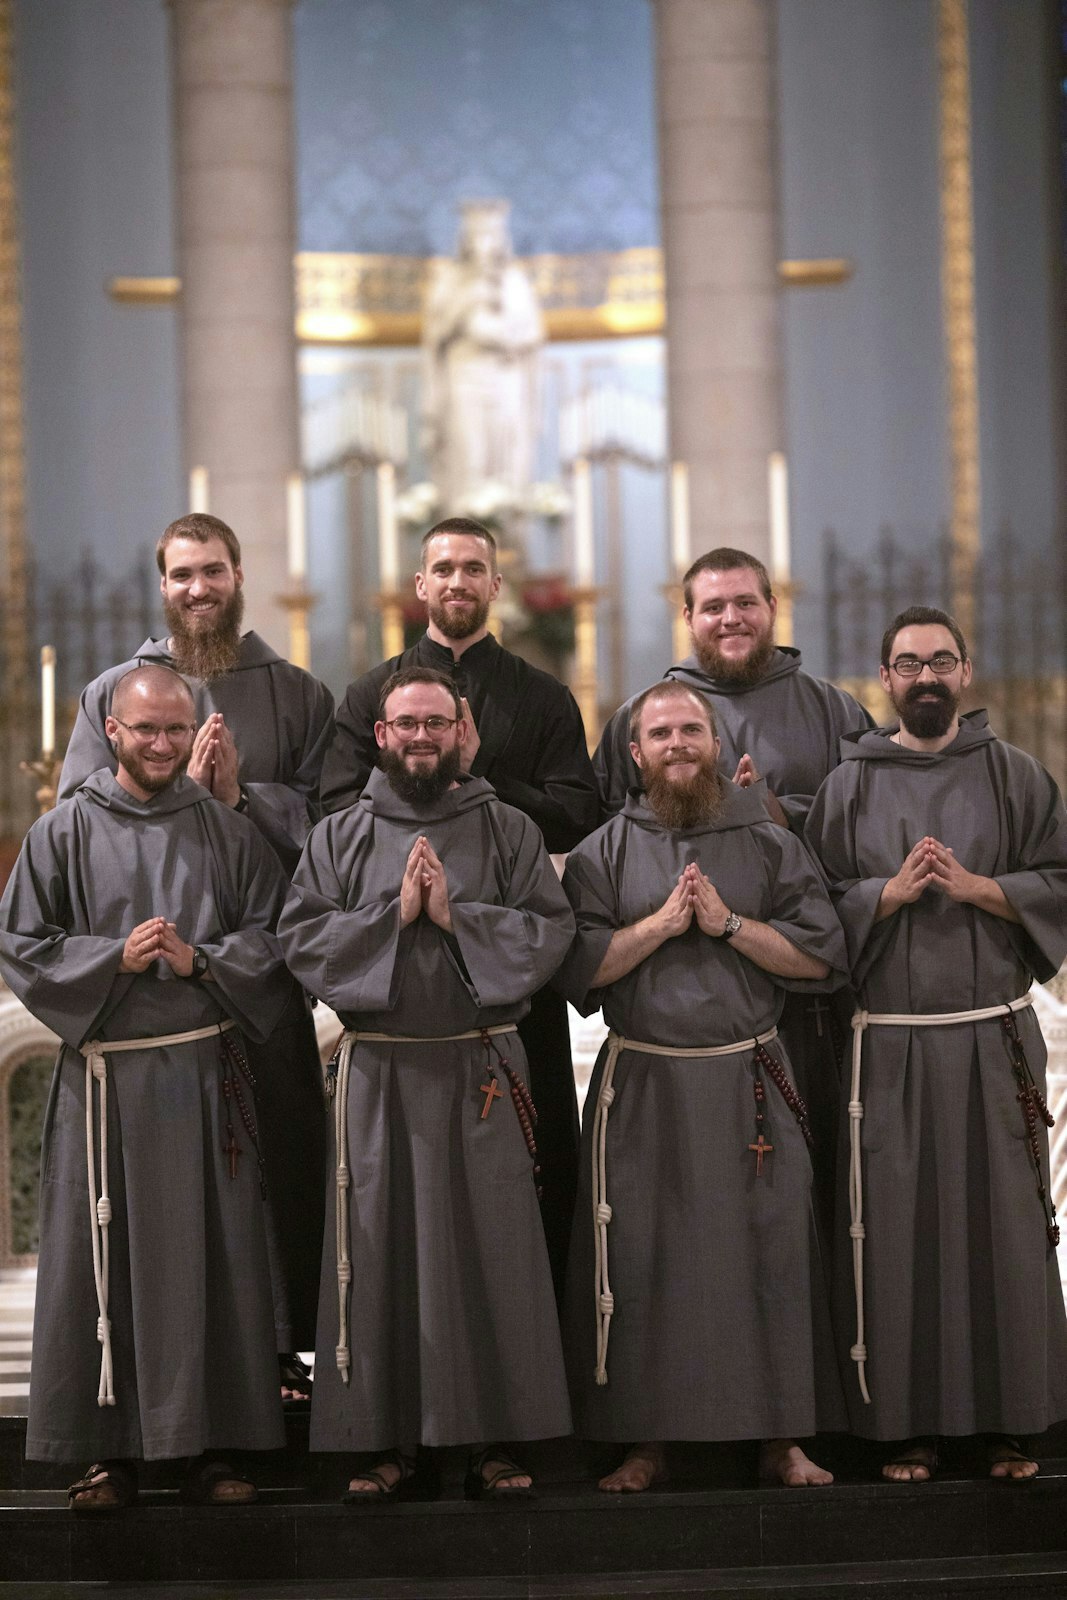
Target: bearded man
[(947, 853), (138, 924), (264, 728), (695, 1298), (426, 915), (525, 737)]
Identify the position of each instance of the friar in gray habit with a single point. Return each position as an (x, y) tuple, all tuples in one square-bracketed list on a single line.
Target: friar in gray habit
[(138, 924), (696, 1307), (264, 728), (947, 852), (426, 915)]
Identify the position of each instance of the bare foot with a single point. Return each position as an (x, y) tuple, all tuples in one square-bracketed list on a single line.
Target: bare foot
[(1007, 1460), (232, 1492), (512, 1480), (387, 1474), (785, 1460), (915, 1462), (645, 1465)]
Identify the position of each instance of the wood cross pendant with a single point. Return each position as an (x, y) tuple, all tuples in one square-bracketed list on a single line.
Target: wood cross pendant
[(760, 1149), (819, 1009), (492, 1092), (233, 1150)]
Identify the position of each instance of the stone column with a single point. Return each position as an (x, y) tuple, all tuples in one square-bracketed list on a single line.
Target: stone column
[(236, 237), (716, 95)]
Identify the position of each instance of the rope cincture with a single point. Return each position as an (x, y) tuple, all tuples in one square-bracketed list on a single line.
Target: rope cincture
[(96, 1052), (605, 1301), (861, 1021), (337, 1088)]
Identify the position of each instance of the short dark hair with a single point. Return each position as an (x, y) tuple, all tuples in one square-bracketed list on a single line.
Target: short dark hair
[(672, 687), (725, 559), (203, 528), (921, 617), (462, 525), (406, 675)]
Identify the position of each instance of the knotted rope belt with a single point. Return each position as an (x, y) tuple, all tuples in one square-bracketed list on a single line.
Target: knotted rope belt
[(338, 1089), (861, 1021), (96, 1052), (605, 1303)]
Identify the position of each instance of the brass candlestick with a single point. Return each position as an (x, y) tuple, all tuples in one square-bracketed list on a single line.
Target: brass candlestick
[(391, 605), (681, 644), (298, 600), (585, 665), (786, 591), (46, 770)]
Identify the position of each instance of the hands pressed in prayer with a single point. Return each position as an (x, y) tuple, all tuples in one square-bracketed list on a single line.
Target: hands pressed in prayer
[(676, 912), (931, 864), (214, 760), (424, 887), (175, 952), (709, 908), (747, 775), (907, 885), (156, 940), (469, 749)]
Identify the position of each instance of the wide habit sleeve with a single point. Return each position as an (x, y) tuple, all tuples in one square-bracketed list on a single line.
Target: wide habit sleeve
[(561, 792), (589, 886), (283, 811), (830, 833), (512, 949), (88, 749), (1036, 880), (65, 979), (245, 959), (803, 913), (349, 958)]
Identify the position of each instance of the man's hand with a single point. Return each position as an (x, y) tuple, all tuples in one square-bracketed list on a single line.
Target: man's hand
[(411, 884), (709, 908), (224, 782), (175, 952), (915, 875), (747, 775), (143, 945), (435, 889), (202, 760), (469, 749), (676, 912), (969, 888)]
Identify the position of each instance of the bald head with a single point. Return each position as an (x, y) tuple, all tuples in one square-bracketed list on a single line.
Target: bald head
[(147, 681)]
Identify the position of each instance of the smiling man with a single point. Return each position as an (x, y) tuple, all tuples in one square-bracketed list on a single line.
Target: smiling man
[(947, 853), (138, 924), (264, 728), (696, 1306), (426, 915), (525, 737)]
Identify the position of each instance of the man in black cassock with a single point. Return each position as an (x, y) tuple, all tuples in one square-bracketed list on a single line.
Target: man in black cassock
[(527, 739), (946, 851), (265, 725), (138, 924), (779, 730)]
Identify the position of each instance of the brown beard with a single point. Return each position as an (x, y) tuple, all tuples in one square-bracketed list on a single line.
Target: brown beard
[(700, 799), (152, 782), (420, 788), (209, 652), (929, 721), (458, 627), (726, 670)]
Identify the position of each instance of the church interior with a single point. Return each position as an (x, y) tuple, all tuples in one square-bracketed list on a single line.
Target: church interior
[(624, 280)]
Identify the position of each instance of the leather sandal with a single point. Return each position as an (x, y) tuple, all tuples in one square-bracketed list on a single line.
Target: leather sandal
[(204, 1479), (921, 1452), (295, 1375), (400, 1489), (1003, 1450), (120, 1476), (476, 1486)]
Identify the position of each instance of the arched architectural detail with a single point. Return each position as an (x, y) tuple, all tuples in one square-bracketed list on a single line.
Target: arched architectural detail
[(21, 1038)]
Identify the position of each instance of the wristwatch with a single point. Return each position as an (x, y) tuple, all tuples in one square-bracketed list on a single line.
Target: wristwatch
[(733, 925), (199, 963), (242, 801)]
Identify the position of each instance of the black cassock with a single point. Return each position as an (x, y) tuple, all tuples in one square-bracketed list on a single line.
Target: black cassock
[(533, 751)]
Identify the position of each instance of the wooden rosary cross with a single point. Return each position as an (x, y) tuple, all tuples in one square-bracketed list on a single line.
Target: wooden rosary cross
[(760, 1149), (233, 1150), (492, 1091)]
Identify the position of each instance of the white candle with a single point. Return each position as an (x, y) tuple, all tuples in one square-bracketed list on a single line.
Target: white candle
[(584, 552), (48, 700), (680, 558), (296, 524), (778, 492), (388, 548), (198, 490)]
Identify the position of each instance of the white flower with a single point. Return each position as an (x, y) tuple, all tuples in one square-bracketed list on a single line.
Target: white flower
[(548, 500), (417, 504)]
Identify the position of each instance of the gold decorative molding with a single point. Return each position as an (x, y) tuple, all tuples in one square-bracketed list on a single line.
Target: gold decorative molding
[(957, 298), (12, 417), (343, 297)]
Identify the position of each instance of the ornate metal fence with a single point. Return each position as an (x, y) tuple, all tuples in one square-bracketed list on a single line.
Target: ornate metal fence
[(93, 621), (1020, 634)]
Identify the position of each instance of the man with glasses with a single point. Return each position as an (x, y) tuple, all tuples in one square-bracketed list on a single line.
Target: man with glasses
[(138, 924), (525, 736), (947, 852), (264, 727), (426, 915)]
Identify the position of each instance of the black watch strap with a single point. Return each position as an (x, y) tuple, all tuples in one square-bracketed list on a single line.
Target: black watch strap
[(242, 800), (199, 963)]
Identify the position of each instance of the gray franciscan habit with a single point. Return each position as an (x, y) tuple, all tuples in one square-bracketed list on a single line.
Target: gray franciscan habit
[(454, 1337), (965, 1325), (190, 1300), (720, 1327), (281, 719)]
